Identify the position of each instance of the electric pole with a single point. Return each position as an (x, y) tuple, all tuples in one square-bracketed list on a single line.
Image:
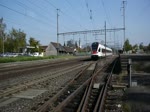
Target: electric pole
[(79, 42), (114, 41), (105, 39), (123, 7), (57, 33)]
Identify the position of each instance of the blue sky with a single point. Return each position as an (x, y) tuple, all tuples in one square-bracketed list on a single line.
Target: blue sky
[(37, 18)]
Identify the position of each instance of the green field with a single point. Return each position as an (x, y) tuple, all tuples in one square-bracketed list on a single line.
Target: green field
[(30, 58)]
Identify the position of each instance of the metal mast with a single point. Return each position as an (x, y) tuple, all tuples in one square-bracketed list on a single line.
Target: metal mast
[(123, 2), (105, 39), (57, 33)]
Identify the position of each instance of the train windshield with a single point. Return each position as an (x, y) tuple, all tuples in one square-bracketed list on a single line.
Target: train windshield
[(95, 46)]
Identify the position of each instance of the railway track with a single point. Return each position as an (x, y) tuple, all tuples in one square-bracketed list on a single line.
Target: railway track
[(88, 91), (80, 90), (21, 69), (21, 75), (78, 83), (90, 98), (38, 79), (110, 97), (29, 64)]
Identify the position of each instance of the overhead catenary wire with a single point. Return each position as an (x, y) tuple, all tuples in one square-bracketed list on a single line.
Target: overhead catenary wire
[(90, 13), (27, 7), (55, 7), (74, 10), (107, 16), (24, 14)]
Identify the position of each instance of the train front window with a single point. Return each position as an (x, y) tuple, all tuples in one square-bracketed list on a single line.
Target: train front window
[(94, 46)]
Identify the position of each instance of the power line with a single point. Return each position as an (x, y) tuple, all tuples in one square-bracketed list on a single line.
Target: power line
[(51, 4), (47, 11), (62, 12), (73, 8), (89, 12), (107, 16), (14, 22), (39, 14), (23, 14)]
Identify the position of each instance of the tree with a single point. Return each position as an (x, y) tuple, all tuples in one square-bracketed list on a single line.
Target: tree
[(2, 34), (36, 44), (76, 45), (135, 48), (64, 44), (127, 45), (17, 39), (141, 45), (148, 47), (70, 43)]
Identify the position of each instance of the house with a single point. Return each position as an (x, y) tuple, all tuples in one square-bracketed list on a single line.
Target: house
[(69, 50), (26, 49), (43, 48), (53, 48)]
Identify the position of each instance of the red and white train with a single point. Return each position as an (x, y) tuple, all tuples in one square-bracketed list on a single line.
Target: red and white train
[(99, 50)]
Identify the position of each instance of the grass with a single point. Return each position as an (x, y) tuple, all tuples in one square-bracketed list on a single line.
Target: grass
[(27, 58)]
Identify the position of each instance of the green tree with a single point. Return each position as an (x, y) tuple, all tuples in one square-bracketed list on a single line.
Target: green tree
[(148, 47), (135, 47), (76, 45), (2, 34), (9, 46), (141, 45), (17, 40), (127, 45), (70, 43), (35, 43)]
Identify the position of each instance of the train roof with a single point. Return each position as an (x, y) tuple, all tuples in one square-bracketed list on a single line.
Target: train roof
[(102, 46)]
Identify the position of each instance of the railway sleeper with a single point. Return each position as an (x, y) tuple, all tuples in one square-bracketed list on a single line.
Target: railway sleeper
[(114, 110), (112, 101), (114, 98), (112, 107), (68, 110), (115, 94), (61, 98), (74, 103)]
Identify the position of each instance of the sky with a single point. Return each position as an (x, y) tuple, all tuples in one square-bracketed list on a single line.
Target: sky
[(38, 19)]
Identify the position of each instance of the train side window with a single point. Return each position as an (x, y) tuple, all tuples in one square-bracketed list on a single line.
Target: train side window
[(103, 50), (99, 50)]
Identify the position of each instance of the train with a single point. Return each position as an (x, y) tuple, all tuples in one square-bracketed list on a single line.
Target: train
[(99, 51)]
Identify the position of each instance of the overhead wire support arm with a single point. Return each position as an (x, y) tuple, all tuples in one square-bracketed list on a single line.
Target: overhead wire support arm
[(101, 31)]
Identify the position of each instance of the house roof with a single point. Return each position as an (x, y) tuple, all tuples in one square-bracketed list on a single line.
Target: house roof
[(43, 47), (68, 49), (61, 48)]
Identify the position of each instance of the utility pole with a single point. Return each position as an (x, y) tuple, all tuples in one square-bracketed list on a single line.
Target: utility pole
[(114, 41), (79, 42), (123, 7), (85, 36), (57, 33), (105, 39)]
